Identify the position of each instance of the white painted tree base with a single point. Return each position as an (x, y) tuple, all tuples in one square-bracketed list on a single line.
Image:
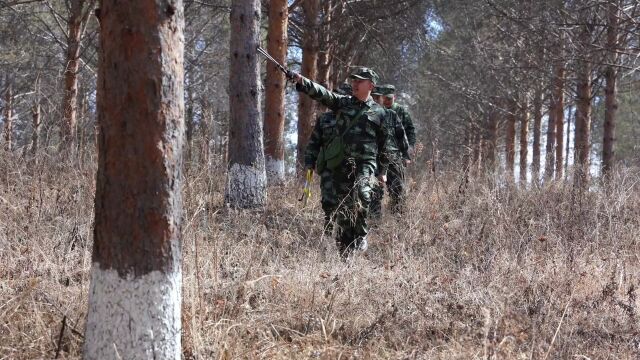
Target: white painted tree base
[(246, 186), (133, 318), (275, 171)]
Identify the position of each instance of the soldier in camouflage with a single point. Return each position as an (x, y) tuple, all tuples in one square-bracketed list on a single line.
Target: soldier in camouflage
[(389, 101), (354, 154), (398, 155), (323, 131)]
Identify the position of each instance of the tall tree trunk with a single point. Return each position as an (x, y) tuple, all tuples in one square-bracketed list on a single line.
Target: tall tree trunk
[(510, 139), (611, 91), (325, 54), (537, 129), (189, 124), (549, 164), (70, 95), (524, 139), (567, 148), (276, 82), (8, 118), (247, 179), (490, 143), (558, 95), (306, 107), (583, 114), (136, 275), (35, 114)]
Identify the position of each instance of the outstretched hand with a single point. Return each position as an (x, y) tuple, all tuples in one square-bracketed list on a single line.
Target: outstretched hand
[(293, 76)]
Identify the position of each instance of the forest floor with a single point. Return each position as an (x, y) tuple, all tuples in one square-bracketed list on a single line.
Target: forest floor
[(473, 270)]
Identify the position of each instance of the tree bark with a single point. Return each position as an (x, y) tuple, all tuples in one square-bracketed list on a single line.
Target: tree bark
[(583, 114), (35, 115), (549, 164), (524, 140), (326, 46), (8, 118), (568, 142), (490, 143), (274, 110), (189, 125), (247, 179), (537, 127), (510, 139), (136, 276), (558, 96), (70, 95), (610, 91), (306, 107)]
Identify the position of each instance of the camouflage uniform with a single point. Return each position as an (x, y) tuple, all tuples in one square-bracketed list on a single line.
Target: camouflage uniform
[(407, 122), (323, 131), (398, 151), (364, 144)]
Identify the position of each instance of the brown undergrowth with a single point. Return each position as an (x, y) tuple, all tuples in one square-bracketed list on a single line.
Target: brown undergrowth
[(475, 271)]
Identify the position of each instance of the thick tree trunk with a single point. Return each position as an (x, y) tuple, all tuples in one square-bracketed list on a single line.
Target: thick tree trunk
[(583, 124), (136, 276), (558, 95), (549, 164), (524, 140), (611, 92), (510, 139), (8, 118), (247, 179), (306, 107), (276, 82), (537, 129)]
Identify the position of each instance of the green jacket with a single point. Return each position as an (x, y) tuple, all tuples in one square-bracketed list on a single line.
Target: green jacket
[(323, 131), (364, 142), (397, 143), (407, 122)]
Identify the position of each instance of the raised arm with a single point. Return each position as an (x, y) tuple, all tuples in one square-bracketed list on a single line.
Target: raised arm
[(319, 93)]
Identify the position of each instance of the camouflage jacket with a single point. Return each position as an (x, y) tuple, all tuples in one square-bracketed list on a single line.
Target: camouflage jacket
[(397, 143), (407, 122), (365, 142), (323, 131)]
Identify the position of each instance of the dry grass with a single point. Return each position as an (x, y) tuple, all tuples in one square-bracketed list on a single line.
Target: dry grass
[(486, 272)]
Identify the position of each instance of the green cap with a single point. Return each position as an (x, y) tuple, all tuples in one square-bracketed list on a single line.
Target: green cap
[(364, 73), (384, 90), (344, 89)]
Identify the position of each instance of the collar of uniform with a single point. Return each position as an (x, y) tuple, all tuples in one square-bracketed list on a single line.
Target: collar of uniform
[(368, 103)]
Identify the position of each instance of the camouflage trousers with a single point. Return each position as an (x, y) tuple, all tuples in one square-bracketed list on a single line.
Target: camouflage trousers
[(328, 199), (353, 187), (395, 187)]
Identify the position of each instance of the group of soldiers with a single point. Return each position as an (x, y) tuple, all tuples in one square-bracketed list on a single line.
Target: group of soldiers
[(365, 141)]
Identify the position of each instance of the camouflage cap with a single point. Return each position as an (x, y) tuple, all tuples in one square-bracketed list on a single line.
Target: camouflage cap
[(364, 73), (384, 90), (344, 89)]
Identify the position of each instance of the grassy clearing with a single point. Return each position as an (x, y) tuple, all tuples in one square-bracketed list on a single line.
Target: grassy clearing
[(479, 271)]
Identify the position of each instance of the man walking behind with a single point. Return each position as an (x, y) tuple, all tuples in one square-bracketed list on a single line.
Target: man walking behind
[(398, 155)]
